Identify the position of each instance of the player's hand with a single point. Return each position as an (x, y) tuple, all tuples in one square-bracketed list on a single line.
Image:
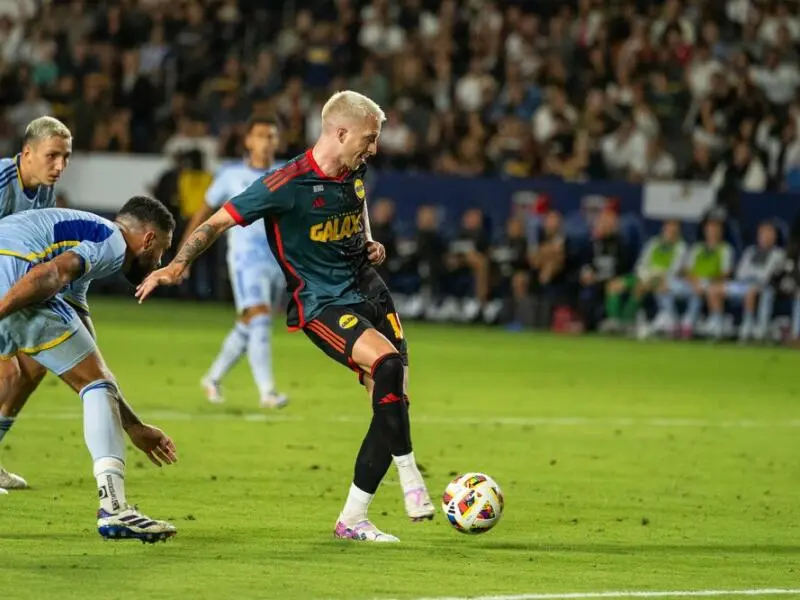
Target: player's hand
[(169, 275), (376, 253), (156, 444)]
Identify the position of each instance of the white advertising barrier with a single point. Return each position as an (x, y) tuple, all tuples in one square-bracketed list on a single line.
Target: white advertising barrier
[(103, 182), (684, 200)]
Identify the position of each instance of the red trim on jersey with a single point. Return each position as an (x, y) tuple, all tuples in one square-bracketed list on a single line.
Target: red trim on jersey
[(301, 321), (234, 213), (284, 175), (320, 173)]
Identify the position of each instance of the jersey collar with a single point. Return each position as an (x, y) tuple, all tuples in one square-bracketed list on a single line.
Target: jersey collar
[(319, 172)]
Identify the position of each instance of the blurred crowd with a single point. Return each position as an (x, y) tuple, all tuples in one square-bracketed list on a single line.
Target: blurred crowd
[(586, 89), (598, 270)]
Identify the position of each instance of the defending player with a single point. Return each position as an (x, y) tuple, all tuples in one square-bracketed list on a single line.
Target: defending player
[(42, 252), (27, 182), (317, 225), (252, 269)]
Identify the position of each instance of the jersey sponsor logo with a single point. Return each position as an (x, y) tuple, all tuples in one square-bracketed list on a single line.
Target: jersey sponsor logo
[(337, 229), (318, 202), (358, 187), (348, 321)]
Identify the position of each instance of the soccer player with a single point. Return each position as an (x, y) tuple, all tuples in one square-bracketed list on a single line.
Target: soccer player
[(317, 225), (27, 182), (41, 253), (253, 270)]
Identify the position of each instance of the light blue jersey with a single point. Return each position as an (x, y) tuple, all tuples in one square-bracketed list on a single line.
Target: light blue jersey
[(253, 270), (48, 331), (14, 198)]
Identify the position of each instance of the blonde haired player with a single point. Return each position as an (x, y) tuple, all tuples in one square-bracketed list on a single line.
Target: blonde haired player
[(315, 214), (27, 182)]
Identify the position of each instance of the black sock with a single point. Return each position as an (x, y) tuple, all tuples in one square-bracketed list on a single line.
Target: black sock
[(389, 405), (373, 460)]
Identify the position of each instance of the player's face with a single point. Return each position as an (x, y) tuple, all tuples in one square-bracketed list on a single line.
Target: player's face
[(359, 142), (45, 160), (262, 143), (148, 258)]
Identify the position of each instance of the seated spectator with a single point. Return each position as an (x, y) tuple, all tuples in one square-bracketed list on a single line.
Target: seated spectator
[(785, 283), (429, 252), (608, 259), (709, 261), (468, 258), (660, 259), (655, 164), (756, 268), (548, 263), (382, 230), (510, 263), (744, 172)]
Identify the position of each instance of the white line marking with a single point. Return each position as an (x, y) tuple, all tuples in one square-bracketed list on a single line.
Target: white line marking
[(169, 415), (628, 594)]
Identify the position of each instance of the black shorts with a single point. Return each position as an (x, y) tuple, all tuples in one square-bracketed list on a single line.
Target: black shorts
[(336, 329)]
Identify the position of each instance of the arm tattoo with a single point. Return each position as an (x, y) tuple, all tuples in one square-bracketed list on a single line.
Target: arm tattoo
[(198, 242), (126, 414)]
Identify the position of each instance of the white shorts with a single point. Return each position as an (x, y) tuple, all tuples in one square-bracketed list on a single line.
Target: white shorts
[(254, 284), (737, 290), (682, 288), (51, 333)]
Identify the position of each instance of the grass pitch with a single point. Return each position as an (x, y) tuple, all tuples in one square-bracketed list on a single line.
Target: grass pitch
[(624, 466)]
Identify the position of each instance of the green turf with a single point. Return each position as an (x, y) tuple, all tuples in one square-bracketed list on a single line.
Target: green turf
[(624, 466)]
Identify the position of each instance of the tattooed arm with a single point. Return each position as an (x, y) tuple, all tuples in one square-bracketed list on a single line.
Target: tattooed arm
[(42, 282), (201, 239)]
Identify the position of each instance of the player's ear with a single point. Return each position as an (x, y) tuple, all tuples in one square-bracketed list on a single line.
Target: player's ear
[(341, 133), (149, 239)]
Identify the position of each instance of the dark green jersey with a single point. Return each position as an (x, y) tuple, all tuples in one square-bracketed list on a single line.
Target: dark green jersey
[(315, 228)]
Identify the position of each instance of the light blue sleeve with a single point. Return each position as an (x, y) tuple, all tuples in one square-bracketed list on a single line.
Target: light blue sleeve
[(218, 193), (101, 259), (76, 294), (8, 174)]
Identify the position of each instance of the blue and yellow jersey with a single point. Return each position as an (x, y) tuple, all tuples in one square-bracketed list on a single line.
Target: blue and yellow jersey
[(41, 235), (14, 197)]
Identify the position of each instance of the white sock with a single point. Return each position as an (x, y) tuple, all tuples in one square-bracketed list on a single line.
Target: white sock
[(234, 346), (110, 476), (259, 353), (407, 470), (355, 508), (102, 430)]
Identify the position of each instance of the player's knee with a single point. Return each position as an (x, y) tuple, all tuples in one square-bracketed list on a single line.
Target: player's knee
[(107, 386), (389, 371), (254, 312)]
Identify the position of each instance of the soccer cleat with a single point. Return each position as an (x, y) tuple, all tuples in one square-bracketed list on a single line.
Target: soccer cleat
[(10, 481), (2, 492), (212, 390), (274, 400), (418, 504), (130, 524), (363, 531)]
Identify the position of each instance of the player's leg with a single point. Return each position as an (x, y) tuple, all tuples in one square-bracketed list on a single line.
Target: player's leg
[(766, 305), (19, 377), (78, 362), (716, 294), (671, 288), (234, 346), (253, 295), (694, 304)]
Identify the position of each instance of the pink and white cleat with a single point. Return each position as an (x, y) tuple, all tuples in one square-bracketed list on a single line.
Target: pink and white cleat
[(418, 504), (363, 531)]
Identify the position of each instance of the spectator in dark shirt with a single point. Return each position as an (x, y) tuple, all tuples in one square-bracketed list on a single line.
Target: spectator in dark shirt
[(607, 259), (429, 253), (468, 257), (380, 220)]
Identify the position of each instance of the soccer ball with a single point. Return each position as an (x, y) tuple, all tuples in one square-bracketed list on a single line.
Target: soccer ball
[(473, 503)]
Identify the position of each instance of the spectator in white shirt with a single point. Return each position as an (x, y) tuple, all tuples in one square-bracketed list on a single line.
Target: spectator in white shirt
[(545, 121), (655, 164), (778, 81), (621, 147)]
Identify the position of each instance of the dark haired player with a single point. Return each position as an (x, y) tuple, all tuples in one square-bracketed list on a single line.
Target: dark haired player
[(42, 252)]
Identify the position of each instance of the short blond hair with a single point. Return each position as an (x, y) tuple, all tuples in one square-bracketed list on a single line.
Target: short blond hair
[(44, 128), (351, 105)]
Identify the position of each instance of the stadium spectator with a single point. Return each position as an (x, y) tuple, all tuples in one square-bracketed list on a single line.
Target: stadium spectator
[(756, 268), (381, 217), (709, 261), (607, 259), (660, 259), (467, 262)]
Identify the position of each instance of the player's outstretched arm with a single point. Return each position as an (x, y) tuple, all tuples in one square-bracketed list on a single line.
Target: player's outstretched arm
[(201, 239), (42, 282)]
